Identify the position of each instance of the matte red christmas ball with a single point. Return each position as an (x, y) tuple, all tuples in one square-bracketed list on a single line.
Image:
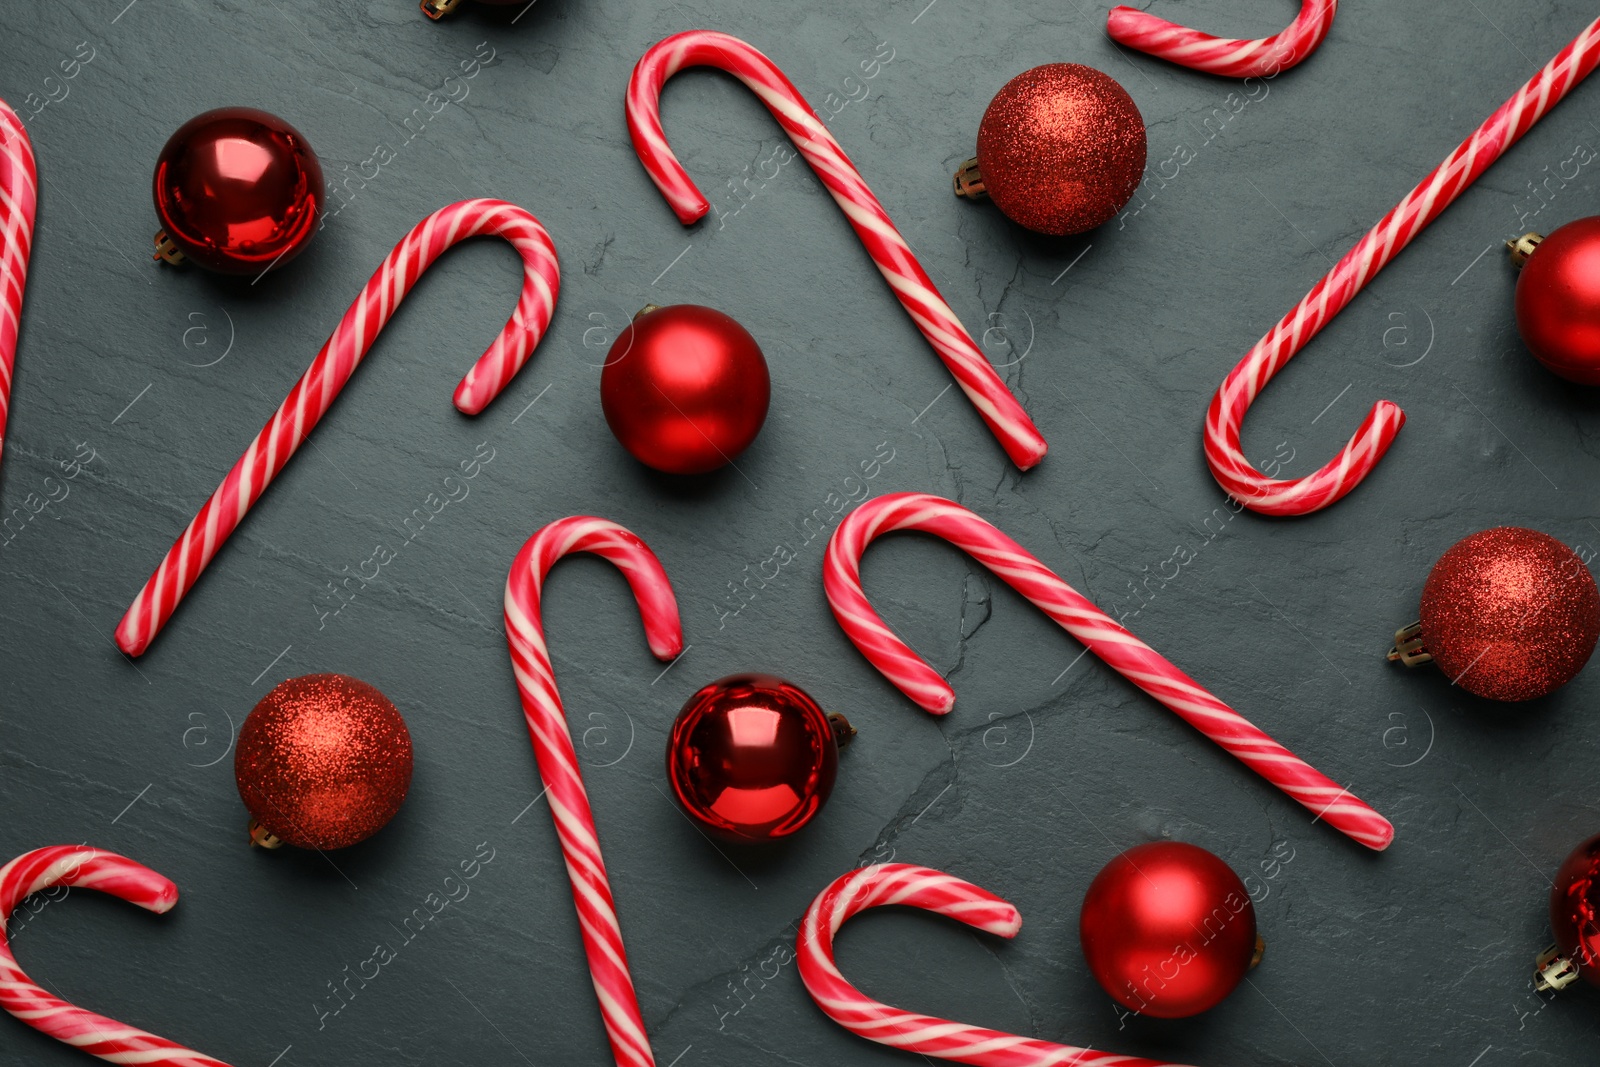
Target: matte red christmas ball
[(1575, 920), (1168, 929), (1061, 150), (1507, 614), (752, 758), (238, 191), (1558, 299), (324, 761), (685, 388)]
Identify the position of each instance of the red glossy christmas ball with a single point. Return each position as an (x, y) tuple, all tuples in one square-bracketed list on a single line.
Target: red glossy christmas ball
[(685, 388), (1168, 929), (238, 191), (1510, 614), (323, 761), (1061, 149), (1558, 301), (752, 758), (1575, 918)]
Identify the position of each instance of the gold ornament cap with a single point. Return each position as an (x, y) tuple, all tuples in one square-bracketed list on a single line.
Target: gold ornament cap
[(843, 732), (1553, 971), (438, 9), (1408, 647), (167, 251), (1523, 247), (969, 181), (261, 837)]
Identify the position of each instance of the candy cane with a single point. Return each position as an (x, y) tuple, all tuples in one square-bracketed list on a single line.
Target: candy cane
[(911, 284), (87, 868), (1263, 58), (1125, 653), (343, 352), (19, 193), (1225, 419), (921, 887), (558, 760)]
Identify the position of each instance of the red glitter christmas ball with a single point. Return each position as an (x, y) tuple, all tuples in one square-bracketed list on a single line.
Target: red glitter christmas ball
[(324, 761), (1510, 614), (1168, 929), (752, 758), (1061, 149), (238, 191)]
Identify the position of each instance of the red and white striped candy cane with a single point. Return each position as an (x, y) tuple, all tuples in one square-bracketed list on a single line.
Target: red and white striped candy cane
[(911, 284), (19, 194), (1225, 418), (1125, 653), (910, 886), (1261, 58), (558, 760), (343, 352), (86, 868)]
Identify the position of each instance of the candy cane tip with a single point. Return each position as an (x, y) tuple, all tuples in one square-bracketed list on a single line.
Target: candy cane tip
[(165, 901), (665, 648), (941, 704), (467, 402), (129, 639), (1124, 19), (688, 214), (1027, 457)]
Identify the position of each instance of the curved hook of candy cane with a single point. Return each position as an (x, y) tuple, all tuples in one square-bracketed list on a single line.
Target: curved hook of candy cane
[(86, 868), (343, 352), (1119, 649), (1266, 57), (1436, 192), (558, 760), (922, 887), (19, 194), (916, 292)]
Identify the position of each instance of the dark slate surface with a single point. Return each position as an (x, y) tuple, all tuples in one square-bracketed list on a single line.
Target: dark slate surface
[(1421, 955)]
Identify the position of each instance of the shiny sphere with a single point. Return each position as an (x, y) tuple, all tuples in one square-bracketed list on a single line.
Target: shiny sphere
[(1510, 614), (1558, 302), (1061, 148), (238, 190), (685, 389), (1168, 929), (752, 758), (324, 761), (1575, 909)]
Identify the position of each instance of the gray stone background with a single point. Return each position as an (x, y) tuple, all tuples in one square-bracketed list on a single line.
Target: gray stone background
[(1049, 764)]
